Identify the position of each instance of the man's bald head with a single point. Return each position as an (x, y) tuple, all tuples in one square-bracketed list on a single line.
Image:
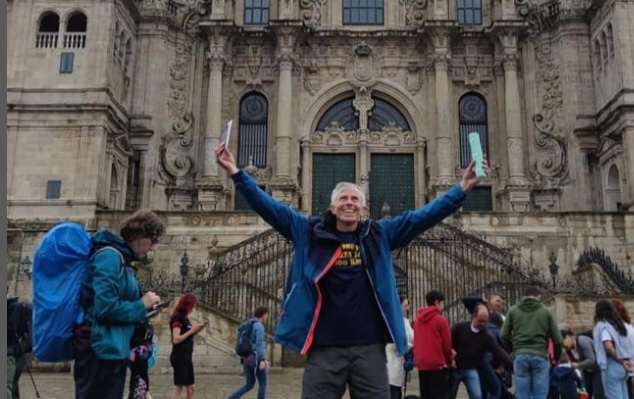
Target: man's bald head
[(480, 317)]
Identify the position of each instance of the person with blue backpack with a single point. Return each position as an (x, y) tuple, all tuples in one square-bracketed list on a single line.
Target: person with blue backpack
[(250, 346), (341, 304), (112, 306)]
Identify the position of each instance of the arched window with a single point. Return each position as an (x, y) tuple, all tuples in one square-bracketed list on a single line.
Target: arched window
[(469, 12), (128, 55), (47, 31), (256, 12), (384, 114), (75, 36), (613, 190), (115, 48), (252, 131), (610, 42), (472, 118), (597, 55), (342, 113)]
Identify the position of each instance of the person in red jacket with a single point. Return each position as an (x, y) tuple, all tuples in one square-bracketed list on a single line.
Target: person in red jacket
[(433, 353)]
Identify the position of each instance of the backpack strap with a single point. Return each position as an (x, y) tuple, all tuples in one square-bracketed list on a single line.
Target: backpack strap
[(122, 266)]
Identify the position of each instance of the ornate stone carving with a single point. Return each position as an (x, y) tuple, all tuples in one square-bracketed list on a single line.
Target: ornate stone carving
[(310, 11), (179, 82), (363, 103), (551, 170), (392, 136), (175, 160), (414, 12), (414, 81), (363, 69), (312, 76)]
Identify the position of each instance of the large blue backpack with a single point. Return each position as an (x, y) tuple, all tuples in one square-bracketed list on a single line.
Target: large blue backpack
[(59, 267), (244, 339)]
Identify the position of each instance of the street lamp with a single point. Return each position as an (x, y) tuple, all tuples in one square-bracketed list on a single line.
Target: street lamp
[(553, 268), (184, 270)]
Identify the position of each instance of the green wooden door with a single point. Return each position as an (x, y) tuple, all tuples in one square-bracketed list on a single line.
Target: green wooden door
[(391, 184), (328, 170)]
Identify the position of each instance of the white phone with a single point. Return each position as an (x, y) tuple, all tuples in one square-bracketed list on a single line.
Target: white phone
[(226, 133)]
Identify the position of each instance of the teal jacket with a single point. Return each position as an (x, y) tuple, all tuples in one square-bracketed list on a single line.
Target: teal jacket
[(110, 297)]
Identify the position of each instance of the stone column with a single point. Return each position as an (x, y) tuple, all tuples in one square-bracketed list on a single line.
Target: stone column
[(445, 156), (364, 167), (306, 204), (517, 184), (284, 184), (209, 186), (628, 173), (421, 171)]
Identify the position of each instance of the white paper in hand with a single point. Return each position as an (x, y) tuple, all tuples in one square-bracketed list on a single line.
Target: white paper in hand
[(226, 133)]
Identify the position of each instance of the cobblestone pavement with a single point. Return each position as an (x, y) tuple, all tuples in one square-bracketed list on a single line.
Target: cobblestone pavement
[(283, 384)]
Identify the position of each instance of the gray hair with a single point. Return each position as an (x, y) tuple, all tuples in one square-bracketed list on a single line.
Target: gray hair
[(346, 186)]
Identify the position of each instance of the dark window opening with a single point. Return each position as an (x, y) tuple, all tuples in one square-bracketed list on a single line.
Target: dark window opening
[(253, 130), (77, 23), (49, 23)]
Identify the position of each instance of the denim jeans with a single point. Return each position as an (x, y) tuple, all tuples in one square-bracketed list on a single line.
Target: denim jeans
[(471, 382), (531, 376), (614, 379), (251, 372), (490, 381)]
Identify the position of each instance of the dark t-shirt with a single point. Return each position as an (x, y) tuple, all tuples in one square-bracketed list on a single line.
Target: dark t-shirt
[(186, 347), (349, 312)]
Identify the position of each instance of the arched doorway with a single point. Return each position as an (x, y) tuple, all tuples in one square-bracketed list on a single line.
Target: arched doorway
[(367, 140)]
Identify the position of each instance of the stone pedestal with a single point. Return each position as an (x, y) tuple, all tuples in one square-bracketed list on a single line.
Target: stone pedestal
[(210, 194), (284, 190), (546, 199), (519, 198)]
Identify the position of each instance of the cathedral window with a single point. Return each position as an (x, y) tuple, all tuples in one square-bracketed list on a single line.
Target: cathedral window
[(75, 36), (53, 189), (363, 12), (342, 113), (597, 55), (469, 12), (256, 12), (385, 115), (252, 130), (604, 49), (473, 118), (47, 31)]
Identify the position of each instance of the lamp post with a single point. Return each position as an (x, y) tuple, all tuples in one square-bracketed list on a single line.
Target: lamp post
[(184, 269), (553, 268)]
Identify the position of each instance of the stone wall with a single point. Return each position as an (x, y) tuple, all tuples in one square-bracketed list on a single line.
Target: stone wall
[(577, 314)]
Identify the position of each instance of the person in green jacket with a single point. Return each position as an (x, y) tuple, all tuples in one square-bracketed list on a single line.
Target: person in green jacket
[(113, 305), (527, 329)]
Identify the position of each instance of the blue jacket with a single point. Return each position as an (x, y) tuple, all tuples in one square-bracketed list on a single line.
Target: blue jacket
[(110, 297), (317, 249)]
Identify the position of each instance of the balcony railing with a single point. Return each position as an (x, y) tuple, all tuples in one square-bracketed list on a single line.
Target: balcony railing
[(46, 40), (75, 40)]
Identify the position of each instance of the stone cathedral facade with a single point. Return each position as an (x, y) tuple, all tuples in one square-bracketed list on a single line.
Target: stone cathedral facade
[(117, 104)]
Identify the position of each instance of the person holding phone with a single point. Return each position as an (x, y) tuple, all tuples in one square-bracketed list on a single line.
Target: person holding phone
[(183, 345)]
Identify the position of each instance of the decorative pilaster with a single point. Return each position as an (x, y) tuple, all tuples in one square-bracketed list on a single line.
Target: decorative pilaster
[(210, 188), (628, 144), (517, 184), (283, 184), (444, 140)]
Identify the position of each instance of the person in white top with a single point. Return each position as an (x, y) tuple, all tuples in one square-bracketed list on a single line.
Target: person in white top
[(395, 370), (619, 305)]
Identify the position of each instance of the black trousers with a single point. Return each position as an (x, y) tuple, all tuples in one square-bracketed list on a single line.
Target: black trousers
[(139, 379), (98, 378), (434, 384)]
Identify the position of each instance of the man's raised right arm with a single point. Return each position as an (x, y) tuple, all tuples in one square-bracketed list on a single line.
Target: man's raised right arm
[(280, 216)]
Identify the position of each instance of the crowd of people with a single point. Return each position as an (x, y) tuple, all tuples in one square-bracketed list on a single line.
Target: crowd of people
[(341, 309)]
